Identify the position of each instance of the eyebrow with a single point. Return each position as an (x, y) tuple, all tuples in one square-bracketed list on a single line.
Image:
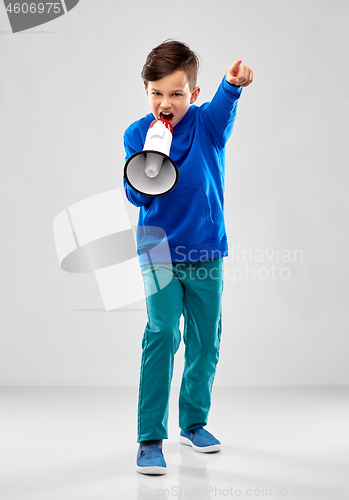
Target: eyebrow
[(176, 90)]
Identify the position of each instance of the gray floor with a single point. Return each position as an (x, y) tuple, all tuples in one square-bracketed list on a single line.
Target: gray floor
[(79, 443)]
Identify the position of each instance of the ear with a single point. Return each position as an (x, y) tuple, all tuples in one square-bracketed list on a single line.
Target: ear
[(194, 94), (146, 90)]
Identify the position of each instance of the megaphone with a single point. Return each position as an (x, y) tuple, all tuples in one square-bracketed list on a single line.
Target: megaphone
[(151, 171)]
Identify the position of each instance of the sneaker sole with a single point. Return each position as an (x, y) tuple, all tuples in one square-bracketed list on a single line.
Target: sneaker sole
[(151, 469), (201, 449)]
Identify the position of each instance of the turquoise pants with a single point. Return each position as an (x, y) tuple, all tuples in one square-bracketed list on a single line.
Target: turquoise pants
[(194, 289)]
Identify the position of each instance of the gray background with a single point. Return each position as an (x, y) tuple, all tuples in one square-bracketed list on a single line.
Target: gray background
[(69, 89)]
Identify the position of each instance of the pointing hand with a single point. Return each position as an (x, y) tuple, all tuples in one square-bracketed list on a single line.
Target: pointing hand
[(239, 74)]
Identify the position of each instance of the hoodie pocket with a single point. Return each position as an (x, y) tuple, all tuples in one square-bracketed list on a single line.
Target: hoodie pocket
[(184, 215)]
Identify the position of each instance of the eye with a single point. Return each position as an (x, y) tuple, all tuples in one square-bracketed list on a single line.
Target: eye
[(156, 93), (177, 94)]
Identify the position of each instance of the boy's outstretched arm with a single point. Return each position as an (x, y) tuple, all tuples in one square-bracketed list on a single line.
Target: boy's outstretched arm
[(221, 112)]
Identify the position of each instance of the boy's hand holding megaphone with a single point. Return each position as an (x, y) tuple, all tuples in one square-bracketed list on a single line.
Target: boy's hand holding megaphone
[(151, 171)]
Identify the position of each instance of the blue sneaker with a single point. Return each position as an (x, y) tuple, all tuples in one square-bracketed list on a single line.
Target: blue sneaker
[(151, 460), (200, 440)]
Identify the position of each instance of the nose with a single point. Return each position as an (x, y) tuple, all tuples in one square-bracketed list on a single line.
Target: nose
[(165, 103)]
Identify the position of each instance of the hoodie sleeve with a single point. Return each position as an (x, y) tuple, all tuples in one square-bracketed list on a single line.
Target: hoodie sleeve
[(220, 114), (133, 197)]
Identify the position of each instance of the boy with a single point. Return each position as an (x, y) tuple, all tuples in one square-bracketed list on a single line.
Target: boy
[(192, 216)]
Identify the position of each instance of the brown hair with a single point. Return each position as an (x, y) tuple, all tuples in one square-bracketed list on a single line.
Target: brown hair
[(168, 57)]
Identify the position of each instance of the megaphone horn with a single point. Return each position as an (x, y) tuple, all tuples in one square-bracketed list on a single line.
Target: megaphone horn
[(151, 171)]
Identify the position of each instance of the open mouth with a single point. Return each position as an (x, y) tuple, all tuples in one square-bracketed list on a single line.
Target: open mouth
[(166, 116)]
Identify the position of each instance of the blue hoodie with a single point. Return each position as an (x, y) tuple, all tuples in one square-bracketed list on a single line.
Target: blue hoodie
[(192, 214)]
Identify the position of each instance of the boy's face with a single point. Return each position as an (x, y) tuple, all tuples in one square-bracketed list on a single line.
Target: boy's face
[(170, 97)]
